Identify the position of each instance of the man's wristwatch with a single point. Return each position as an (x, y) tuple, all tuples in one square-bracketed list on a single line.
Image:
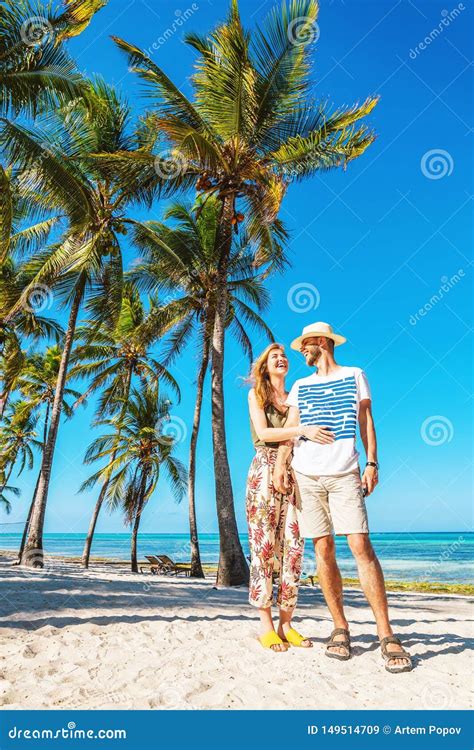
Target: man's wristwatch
[(373, 463)]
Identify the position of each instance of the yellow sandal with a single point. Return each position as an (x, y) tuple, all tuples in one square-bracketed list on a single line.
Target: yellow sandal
[(295, 639), (271, 639)]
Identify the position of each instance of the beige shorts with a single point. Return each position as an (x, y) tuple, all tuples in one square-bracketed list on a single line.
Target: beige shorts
[(331, 505)]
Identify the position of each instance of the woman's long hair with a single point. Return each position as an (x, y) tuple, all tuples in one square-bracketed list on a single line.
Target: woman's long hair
[(260, 378)]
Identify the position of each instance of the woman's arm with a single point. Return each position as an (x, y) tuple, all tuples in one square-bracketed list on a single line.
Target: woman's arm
[(271, 434), (280, 472)]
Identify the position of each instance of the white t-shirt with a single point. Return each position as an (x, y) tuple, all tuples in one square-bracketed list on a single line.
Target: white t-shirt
[(329, 401)]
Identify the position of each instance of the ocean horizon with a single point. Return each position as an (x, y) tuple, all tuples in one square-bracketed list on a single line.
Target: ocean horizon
[(423, 556)]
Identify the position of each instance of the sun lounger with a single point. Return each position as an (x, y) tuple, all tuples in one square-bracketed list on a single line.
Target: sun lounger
[(155, 565), (169, 567)]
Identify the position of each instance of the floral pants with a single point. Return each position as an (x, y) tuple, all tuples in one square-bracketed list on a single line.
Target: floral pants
[(274, 535)]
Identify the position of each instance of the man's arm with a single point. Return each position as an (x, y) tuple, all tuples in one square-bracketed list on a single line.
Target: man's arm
[(369, 439), (280, 474)]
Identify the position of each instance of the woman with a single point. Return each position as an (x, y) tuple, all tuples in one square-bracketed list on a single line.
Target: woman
[(273, 526)]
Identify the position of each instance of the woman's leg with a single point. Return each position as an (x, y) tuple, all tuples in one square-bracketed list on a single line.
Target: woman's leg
[(263, 511), (290, 547)]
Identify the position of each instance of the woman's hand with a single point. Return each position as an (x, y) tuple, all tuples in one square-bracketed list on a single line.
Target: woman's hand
[(280, 478), (318, 434)]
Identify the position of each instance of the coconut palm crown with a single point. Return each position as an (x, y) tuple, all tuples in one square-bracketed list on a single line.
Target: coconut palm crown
[(252, 127)]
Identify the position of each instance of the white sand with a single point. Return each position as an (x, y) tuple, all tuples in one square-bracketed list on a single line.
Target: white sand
[(106, 639)]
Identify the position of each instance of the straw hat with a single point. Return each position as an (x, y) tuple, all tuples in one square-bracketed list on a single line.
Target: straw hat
[(317, 329)]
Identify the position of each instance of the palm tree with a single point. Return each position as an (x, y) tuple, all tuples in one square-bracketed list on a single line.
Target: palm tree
[(140, 448), (37, 384), (18, 437), (85, 264), (36, 72), (27, 324), (112, 360), (182, 260), (252, 128)]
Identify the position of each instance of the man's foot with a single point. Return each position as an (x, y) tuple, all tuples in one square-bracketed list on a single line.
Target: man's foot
[(342, 652), (395, 656), (283, 633)]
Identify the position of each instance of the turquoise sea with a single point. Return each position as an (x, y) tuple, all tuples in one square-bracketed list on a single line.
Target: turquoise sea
[(446, 557)]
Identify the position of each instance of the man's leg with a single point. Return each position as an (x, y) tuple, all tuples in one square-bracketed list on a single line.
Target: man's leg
[(373, 584), (315, 522), (329, 576)]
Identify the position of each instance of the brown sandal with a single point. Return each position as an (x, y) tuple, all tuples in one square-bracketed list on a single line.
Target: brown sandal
[(389, 655), (346, 644)]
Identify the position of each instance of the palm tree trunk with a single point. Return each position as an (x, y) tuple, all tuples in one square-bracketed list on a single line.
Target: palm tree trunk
[(3, 403), (7, 477), (196, 566), (233, 569), (136, 525), (33, 552), (32, 504), (86, 553), (27, 523)]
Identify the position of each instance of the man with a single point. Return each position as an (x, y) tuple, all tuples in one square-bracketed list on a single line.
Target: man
[(331, 491)]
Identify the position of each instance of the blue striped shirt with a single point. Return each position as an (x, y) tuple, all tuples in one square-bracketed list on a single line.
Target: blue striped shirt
[(329, 401)]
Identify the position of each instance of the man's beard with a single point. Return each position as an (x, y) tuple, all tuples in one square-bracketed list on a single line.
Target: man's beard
[(314, 355)]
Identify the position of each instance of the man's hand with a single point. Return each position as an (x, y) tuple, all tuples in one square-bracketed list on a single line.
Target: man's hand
[(280, 479), (370, 479)]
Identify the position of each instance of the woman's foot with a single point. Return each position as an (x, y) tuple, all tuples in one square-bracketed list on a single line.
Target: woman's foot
[(273, 641), (283, 629)]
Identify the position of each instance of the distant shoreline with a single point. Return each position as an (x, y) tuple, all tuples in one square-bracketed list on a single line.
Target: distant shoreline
[(210, 569), (204, 534)]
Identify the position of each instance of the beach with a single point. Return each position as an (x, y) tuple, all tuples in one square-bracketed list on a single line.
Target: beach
[(105, 638)]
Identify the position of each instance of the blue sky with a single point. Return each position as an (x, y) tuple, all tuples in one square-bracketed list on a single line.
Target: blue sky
[(377, 243)]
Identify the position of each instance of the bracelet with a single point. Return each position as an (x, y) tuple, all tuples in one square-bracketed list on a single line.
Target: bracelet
[(373, 463)]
